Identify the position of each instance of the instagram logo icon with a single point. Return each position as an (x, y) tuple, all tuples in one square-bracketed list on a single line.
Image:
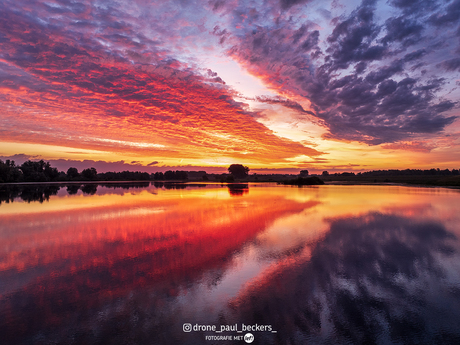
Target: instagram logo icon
[(187, 327)]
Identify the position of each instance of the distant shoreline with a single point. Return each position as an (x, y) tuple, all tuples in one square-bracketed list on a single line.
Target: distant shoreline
[(327, 183)]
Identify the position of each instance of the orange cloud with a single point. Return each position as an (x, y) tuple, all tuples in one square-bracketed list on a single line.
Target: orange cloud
[(68, 90)]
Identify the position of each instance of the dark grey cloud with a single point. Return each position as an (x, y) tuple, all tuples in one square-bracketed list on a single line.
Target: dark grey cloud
[(402, 29), (284, 102), (451, 64), (411, 7), (377, 108), (451, 15), (418, 54), (391, 112), (353, 39), (364, 79), (360, 67), (285, 4), (377, 76), (311, 41)]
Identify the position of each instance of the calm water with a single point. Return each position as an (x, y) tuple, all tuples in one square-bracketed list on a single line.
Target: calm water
[(317, 265)]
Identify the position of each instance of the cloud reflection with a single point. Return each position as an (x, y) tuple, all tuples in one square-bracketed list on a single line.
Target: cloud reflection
[(376, 278), (72, 274)]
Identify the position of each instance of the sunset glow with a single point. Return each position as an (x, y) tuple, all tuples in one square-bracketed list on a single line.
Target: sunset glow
[(278, 84), (201, 247)]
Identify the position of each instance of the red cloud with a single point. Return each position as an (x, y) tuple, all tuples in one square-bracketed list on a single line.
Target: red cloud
[(66, 87)]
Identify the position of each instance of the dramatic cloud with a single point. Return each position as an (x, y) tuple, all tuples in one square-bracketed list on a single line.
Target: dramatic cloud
[(284, 102), (451, 64), (114, 89), (363, 78)]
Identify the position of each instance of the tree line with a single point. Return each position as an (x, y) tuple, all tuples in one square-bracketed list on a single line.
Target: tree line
[(42, 171), (396, 172), (28, 171), (170, 175)]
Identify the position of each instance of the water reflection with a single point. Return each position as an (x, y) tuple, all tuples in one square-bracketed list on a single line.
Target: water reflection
[(170, 185), (43, 192), (27, 193), (90, 189), (73, 189), (238, 189), (66, 265), (373, 279), (320, 265)]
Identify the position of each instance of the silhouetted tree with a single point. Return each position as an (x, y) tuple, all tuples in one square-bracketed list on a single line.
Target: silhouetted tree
[(325, 173), (238, 170), (89, 173), (40, 171), (175, 175), (73, 173), (303, 173), (51, 173), (169, 175), (181, 175), (123, 176), (158, 176), (9, 172)]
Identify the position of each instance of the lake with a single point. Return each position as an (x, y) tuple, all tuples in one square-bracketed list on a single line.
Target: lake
[(218, 264)]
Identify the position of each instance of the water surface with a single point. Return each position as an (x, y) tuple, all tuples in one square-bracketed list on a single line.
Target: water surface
[(96, 264)]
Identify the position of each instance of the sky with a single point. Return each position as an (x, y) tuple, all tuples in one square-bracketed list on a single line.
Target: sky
[(276, 85)]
